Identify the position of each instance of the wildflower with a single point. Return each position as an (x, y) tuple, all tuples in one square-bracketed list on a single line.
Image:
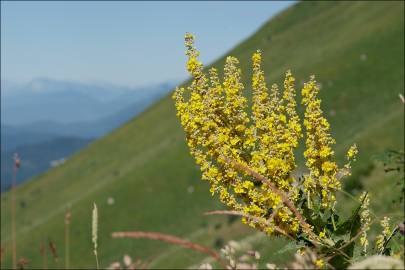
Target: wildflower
[(254, 253), (110, 200), (352, 152), (127, 260), (218, 128), (380, 243), (381, 238), (319, 263), (271, 266), (318, 142), (205, 266), (322, 234), (364, 220), (114, 265), (385, 223), (350, 156)]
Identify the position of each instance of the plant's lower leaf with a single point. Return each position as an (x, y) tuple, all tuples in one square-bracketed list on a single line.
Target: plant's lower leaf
[(290, 246), (342, 261)]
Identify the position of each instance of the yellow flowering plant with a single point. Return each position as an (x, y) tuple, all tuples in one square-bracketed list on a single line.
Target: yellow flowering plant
[(249, 159)]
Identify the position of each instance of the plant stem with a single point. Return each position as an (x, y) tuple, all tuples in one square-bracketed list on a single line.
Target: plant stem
[(95, 253), (333, 222), (390, 237), (45, 258), (13, 216), (283, 196), (67, 246), (67, 238)]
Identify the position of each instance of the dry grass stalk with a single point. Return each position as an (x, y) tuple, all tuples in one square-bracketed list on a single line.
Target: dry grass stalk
[(44, 255), (67, 238), (52, 248), (1, 256), (401, 97), (169, 239), (16, 166), (22, 262), (283, 196), (94, 228)]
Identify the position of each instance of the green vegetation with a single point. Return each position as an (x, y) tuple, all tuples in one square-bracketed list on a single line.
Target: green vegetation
[(356, 49)]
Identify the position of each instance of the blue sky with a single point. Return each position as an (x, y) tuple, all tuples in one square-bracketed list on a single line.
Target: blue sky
[(126, 43)]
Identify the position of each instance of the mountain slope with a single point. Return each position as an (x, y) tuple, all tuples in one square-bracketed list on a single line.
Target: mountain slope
[(354, 48), (38, 158)]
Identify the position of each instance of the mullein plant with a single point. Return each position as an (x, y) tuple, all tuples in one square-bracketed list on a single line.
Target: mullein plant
[(249, 160)]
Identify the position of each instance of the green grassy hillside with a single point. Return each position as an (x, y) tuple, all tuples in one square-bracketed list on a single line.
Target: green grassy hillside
[(356, 50)]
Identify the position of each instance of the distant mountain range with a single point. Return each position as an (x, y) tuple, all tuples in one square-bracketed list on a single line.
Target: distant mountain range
[(46, 120), (12, 137), (46, 100), (137, 102)]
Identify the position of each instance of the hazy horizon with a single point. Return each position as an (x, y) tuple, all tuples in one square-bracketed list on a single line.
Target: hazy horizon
[(66, 41)]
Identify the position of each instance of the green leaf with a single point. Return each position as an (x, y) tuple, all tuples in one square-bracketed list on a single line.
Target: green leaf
[(290, 246), (340, 261), (344, 237), (352, 224)]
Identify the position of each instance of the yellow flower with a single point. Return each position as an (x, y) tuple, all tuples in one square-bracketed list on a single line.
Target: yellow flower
[(239, 189), (216, 124), (325, 152), (192, 64), (294, 226), (248, 184), (322, 234), (235, 140), (319, 263), (240, 128), (328, 166), (352, 152)]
